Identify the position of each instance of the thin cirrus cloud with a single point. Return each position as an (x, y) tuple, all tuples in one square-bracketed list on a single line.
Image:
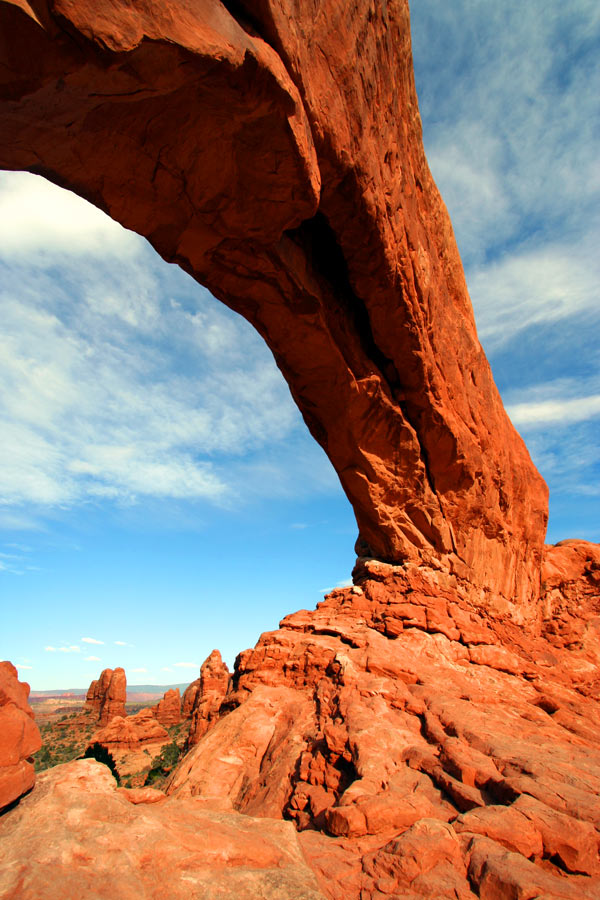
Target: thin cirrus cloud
[(92, 659), (89, 640), (119, 386), (510, 126), (72, 648)]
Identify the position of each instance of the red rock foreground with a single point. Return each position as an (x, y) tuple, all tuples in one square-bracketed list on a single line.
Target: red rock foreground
[(422, 747), (19, 737), (275, 154), (81, 837)]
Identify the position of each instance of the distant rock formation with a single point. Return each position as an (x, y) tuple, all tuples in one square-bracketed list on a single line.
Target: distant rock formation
[(19, 737), (131, 732), (168, 710), (107, 695), (213, 686)]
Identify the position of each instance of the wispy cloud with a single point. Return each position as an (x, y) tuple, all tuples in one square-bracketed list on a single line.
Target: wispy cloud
[(23, 666), (140, 670), (92, 659), (116, 390), (89, 640), (166, 669), (123, 644), (346, 582), (73, 648), (562, 412)]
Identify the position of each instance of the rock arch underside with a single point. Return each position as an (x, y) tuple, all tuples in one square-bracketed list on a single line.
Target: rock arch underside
[(410, 738)]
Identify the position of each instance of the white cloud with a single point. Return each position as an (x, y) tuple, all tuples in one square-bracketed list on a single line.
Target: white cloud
[(166, 669), (72, 648), (562, 412), (139, 670), (36, 217), (346, 582), (23, 666), (546, 285), (89, 640), (186, 665), (123, 644), (92, 659), (116, 391)]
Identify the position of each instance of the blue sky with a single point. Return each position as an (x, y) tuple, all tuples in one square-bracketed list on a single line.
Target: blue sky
[(160, 493)]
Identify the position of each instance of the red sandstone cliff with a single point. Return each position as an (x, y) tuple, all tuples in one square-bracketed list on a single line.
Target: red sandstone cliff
[(276, 155), (19, 737)]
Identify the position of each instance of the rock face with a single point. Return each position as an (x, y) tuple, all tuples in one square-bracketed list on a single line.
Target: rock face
[(188, 701), (276, 155), (179, 850), (19, 737), (422, 747), (213, 686), (168, 710), (107, 696), (132, 732)]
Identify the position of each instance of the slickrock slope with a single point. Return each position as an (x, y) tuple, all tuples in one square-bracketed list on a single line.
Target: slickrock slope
[(107, 696), (19, 737), (275, 153), (168, 710), (424, 747), (179, 850)]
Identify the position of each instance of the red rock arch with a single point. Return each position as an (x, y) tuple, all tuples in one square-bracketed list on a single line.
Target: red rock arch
[(276, 155)]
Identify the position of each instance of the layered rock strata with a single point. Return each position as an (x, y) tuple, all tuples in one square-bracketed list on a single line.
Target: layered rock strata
[(423, 747), (19, 737), (276, 155)]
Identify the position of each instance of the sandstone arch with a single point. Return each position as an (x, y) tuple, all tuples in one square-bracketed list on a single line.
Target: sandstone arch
[(273, 150)]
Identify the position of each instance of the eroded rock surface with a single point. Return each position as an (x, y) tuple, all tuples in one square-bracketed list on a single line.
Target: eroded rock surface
[(78, 836), (276, 155), (422, 746), (19, 737)]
